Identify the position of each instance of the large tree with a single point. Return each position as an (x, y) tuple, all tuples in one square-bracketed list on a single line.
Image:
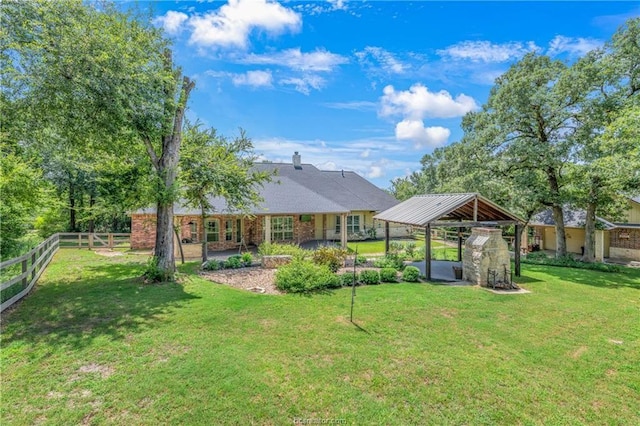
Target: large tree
[(607, 153), (88, 73)]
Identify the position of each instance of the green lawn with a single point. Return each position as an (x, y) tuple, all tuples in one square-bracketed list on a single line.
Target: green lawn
[(377, 246), (94, 345)]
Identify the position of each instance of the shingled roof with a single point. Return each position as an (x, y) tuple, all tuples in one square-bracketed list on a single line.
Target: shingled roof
[(306, 190), (573, 218)]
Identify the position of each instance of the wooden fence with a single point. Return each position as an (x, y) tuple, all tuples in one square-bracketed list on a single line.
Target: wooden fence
[(32, 265), (19, 275)]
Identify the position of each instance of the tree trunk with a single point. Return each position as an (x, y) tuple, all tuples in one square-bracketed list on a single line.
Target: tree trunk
[(590, 234), (167, 169), (203, 215), (561, 236), (92, 222), (72, 208), (175, 231), (558, 214)]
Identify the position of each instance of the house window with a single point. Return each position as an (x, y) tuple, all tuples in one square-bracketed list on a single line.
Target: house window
[(228, 230), (281, 228), (213, 230), (238, 230), (353, 224), (193, 228)]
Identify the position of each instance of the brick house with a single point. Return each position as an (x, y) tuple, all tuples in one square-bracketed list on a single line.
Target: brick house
[(616, 240), (302, 204)]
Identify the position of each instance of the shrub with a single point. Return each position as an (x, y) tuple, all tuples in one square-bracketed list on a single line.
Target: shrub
[(410, 249), (360, 260), (333, 257), (152, 273), (335, 281), (411, 274), (233, 262), (388, 275), (390, 261), (395, 246), (348, 278), (540, 258), (212, 265), (303, 276), (370, 276), (247, 259), (272, 249), (418, 254)]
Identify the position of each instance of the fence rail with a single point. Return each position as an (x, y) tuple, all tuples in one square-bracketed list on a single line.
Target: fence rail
[(20, 274)]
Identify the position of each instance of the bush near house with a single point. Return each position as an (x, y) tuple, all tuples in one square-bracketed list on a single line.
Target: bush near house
[(348, 278), (395, 261), (303, 276), (274, 249), (541, 258), (411, 274), (389, 275), (333, 257), (370, 276)]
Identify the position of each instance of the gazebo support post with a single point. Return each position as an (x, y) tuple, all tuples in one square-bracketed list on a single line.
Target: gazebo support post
[(427, 251), (386, 238), (516, 249), (459, 245)]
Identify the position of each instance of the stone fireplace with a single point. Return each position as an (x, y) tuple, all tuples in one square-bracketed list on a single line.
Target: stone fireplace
[(486, 260)]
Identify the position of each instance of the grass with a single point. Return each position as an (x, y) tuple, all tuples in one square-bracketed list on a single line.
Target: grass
[(377, 246), (93, 344)]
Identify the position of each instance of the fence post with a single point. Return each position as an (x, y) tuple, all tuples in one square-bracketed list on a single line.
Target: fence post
[(80, 240), (110, 239), (90, 241), (33, 265), (24, 269)]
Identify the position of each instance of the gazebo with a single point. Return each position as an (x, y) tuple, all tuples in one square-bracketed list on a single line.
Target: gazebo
[(467, 210)]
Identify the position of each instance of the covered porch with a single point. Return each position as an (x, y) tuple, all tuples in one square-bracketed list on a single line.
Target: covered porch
[(466, 210)]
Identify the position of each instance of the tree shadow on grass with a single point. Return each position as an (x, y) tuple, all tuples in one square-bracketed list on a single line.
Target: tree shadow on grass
[(109, 300), (626, 278)]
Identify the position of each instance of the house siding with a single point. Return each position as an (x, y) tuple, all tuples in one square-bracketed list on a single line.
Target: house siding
[(143, 231), (622, 247)]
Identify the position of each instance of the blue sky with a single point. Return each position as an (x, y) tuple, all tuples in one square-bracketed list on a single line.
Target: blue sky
[(363, 86)]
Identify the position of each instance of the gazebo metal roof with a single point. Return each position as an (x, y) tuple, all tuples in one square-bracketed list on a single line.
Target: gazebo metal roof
[(454, 210)]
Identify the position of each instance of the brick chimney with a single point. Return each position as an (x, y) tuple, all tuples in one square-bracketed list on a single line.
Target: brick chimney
[(297, 161)]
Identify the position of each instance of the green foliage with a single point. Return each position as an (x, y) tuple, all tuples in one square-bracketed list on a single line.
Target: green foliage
[(411, 274), (410, 249), (388, 275), (370, 277), (348, 278), (334, 281), (360, 260), (247, 258), (396, 247), (274, 249), (153, 273), (390, 261), (213, 265), (303, 276), (540, 258), (333, 257), (233, 262)]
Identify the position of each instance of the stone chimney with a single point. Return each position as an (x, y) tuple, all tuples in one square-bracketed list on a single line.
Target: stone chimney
[(486, 258), (297, 161)]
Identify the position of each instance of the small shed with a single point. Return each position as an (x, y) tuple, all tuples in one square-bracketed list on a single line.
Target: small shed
[(466, 210)]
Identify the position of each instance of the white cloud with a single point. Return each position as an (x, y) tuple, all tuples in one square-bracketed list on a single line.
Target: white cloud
[(574, 46), (338, 4), (231, 24), (304, 84), (485, 51), (171, 21), (375, 172), (418, 102), (253, 79), (319, 60), (382, 58), (366, 153), (414, 130)]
